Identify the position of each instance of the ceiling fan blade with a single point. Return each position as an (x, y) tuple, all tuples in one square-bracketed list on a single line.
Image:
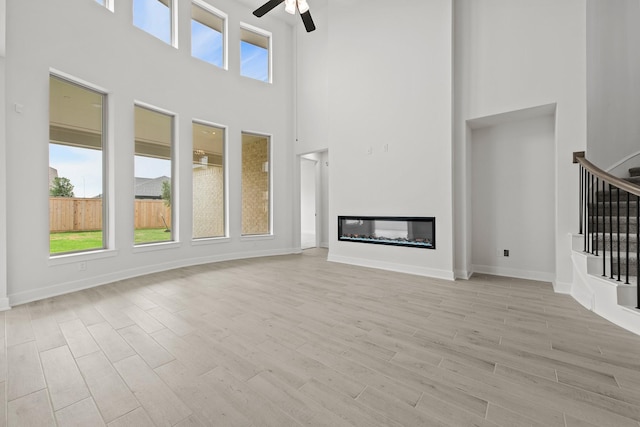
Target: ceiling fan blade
[(308, 21), (262, 10)]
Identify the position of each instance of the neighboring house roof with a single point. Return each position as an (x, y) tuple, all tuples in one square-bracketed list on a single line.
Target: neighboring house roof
[(149, 188)]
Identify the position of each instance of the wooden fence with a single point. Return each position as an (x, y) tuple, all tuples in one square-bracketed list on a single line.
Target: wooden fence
[(76, 214), (148, 213)]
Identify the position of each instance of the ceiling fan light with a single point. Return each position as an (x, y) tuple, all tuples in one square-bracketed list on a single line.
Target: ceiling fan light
[(290, 6), (303, 6)]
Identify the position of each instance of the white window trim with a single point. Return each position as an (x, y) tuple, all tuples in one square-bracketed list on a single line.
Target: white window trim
[(209, 241), (225, 19), (108, 175), (70, 258), (108, 4), (73, 79), (173, 9), (270, 234), (269, 36), (155, 246), (175, 193), (174, 23), (225, 163)]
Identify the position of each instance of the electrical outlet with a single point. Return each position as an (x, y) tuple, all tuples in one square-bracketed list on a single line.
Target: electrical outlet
[(505, 252), (82, 266)]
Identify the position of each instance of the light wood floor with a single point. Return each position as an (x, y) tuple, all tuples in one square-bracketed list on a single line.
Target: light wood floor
[(294, 340)]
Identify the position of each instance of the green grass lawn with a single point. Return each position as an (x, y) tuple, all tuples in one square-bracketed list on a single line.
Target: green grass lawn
[(88, 240)]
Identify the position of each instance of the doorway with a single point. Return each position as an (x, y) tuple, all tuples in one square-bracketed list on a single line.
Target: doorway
[(308, 205), (513, 197)]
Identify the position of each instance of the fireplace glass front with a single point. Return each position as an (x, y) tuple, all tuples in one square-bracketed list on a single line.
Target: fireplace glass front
[(415, 232)]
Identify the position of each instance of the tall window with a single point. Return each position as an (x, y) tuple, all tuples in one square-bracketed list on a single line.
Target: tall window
[(255, 53), (155, 17), (76, 177), (256, 184), (208, 181), (153, 205), (207, 34)]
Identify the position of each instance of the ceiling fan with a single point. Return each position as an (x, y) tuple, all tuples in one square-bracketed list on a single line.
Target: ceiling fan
[(290, 7)]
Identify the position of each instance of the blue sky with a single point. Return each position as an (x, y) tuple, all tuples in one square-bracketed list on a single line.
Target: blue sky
[(255, 62), (84, 166), (148, 167), (206, 43), (153, 17)]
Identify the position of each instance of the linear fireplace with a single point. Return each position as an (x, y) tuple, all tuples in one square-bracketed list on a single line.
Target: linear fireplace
[(413, 232)]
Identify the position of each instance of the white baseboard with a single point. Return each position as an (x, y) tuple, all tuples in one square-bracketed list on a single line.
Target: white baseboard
[(463, 274), (562, 287), (513, 272), (78, 285), (400, 268), (601, 295)]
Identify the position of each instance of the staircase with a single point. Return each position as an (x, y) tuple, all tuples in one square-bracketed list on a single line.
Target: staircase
[(605, 253), (614, 230)]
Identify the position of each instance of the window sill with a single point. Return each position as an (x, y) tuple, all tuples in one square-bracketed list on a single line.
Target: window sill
[(258, 237), (81, 256), (160, 246), (209, 241)]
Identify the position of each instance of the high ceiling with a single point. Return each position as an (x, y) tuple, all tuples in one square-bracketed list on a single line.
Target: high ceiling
[(76, 111)]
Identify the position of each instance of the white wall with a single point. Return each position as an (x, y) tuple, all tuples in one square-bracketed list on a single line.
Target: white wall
[(321, 189), (613, 90), (3, 27), (3, 160), (312, 83), (3, 186), (390, 148), (511, 200), (512, 55), (323, 209), (308, 195), (85, 40)]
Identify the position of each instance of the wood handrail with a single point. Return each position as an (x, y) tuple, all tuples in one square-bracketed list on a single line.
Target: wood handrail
[(627, 186)]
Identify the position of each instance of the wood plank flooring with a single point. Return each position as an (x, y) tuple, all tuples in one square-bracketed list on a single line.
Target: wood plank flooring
[(295, 340)]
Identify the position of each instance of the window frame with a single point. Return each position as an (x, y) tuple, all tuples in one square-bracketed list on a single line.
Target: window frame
[(173, 25), (269, 234), (106, 149), (225, 188), (108, 4), (263, 33), (174, 179), (225, 33)]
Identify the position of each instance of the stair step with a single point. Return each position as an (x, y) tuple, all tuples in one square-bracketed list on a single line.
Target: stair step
[(613, 195), (634, 171), (633, 268), (606, 241), (613, 208), (614, 225), (633, 180), (633, 265)]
